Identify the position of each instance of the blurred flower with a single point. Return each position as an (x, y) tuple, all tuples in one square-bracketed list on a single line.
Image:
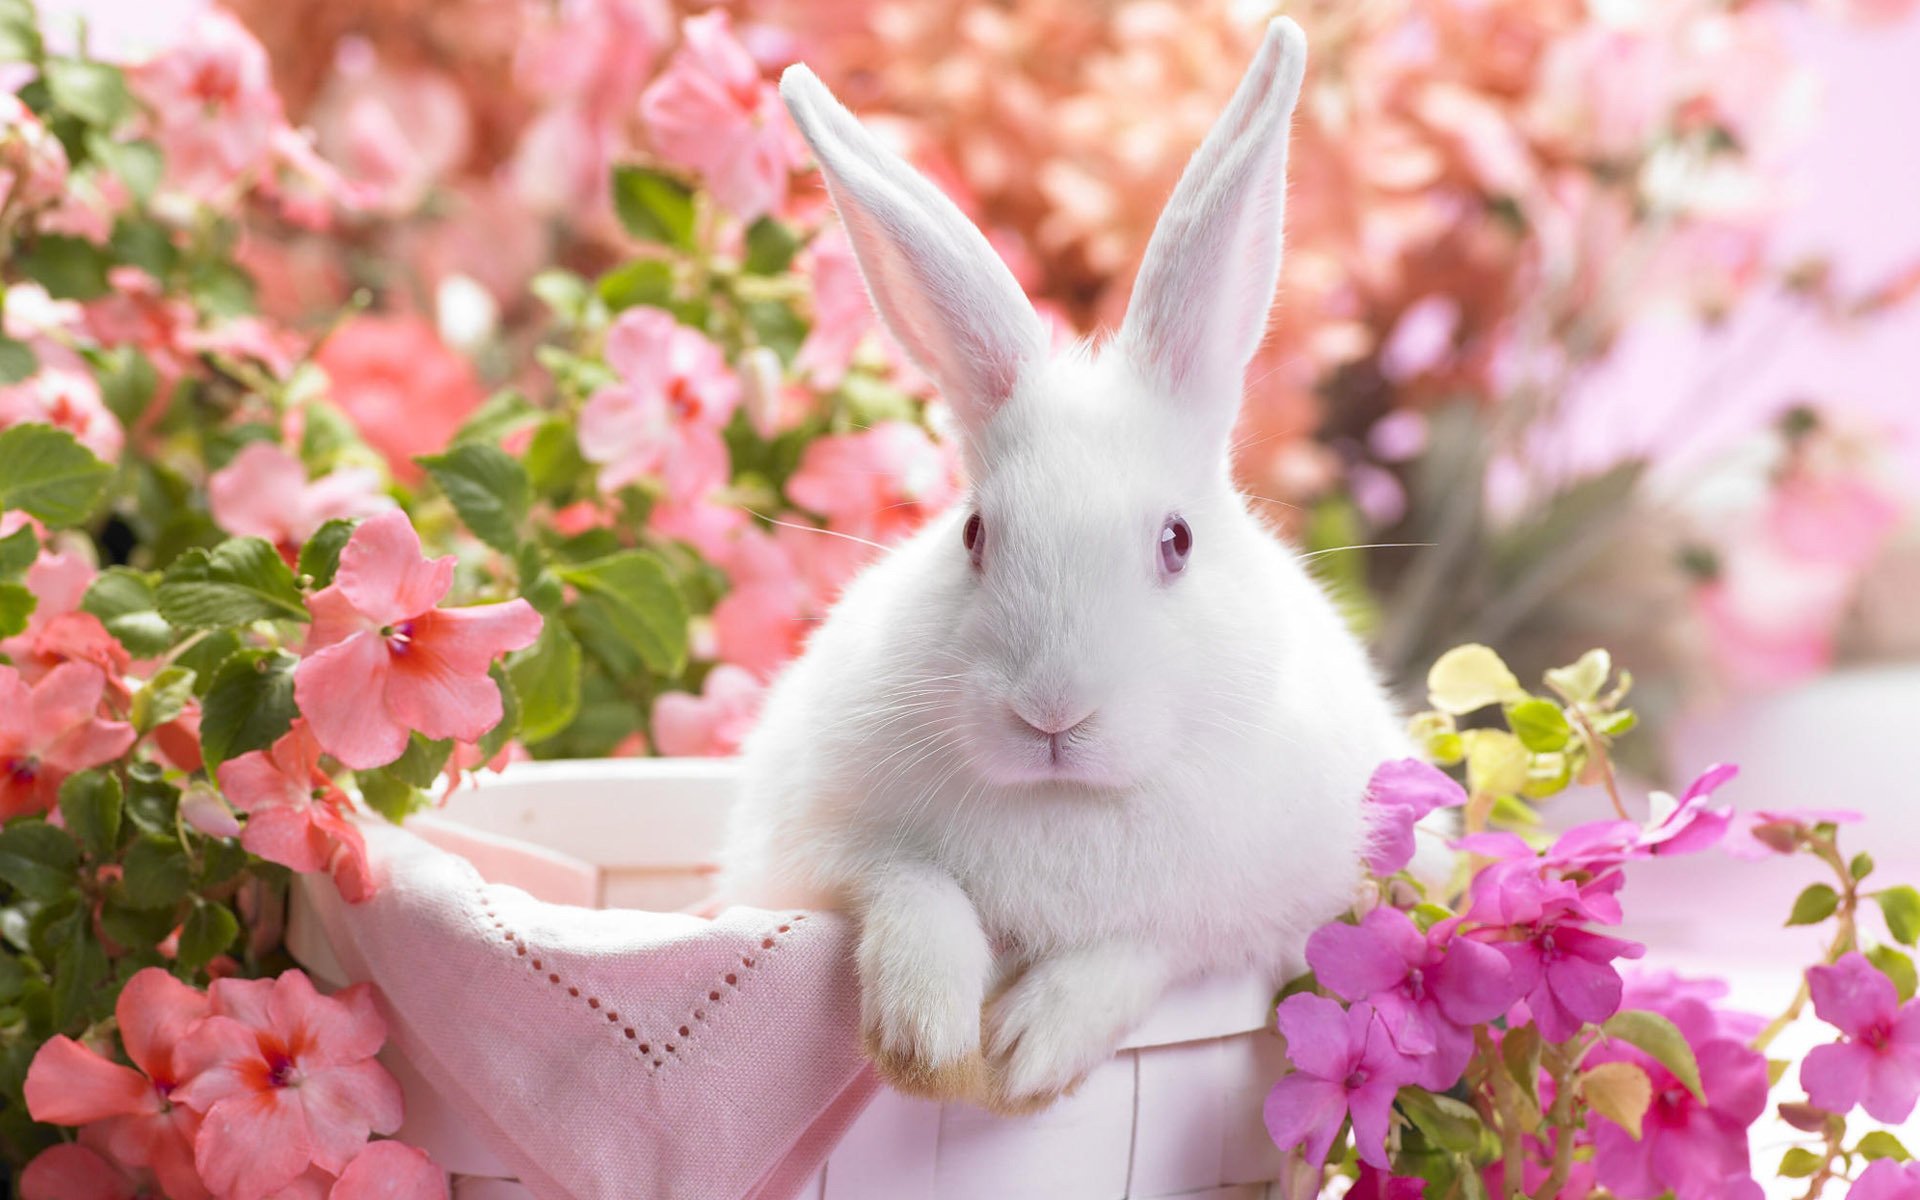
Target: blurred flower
[(880, 484), (33, 164), (396, 132), (715, 722), (403, 389), (663, 419), (1754, 835), (263, 492), (1883, 1179), (389, 1170), (50, 731), (1876, 1064), (63, 394), (214, 107), (71, 1171)]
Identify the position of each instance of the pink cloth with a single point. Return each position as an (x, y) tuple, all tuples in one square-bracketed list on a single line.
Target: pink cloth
[(609, 1054)]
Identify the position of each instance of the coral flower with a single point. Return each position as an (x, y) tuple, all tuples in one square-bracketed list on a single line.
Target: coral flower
[(1345, 1063), (264, 493), (404, 390), (295, 815), (70, 1171), (214, 106), (880, 484), (382, 661), (131, 1112), (713, 723), (663, 419), (286, 1079), (66, 397), (1877, 1064), (51, 730)]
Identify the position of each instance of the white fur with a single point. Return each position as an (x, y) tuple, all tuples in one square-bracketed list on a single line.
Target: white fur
[(1208, 814)]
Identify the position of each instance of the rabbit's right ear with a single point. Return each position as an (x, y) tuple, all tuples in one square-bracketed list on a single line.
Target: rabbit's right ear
[(936, 282), (1200, 303)]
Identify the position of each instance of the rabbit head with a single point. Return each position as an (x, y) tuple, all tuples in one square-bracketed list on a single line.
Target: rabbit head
[(1107, 603)]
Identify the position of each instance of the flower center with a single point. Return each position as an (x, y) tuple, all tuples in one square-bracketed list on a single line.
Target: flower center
[(399, 637), (1417, 983), (1877, 1036), (282, 1071), (22, 771), (1357, 1079), (1548, 950), (682, 399)]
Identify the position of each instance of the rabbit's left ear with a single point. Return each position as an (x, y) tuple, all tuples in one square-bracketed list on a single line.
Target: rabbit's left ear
[(936, 282), (1200, 304)]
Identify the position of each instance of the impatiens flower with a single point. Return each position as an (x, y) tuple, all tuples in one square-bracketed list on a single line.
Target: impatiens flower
[(1877, 1064), (1429, 989), (404, 390), (50, 731), (1562, 970), (131, 1113), (1884, 1179), (263, 492), (710, 110), (285, 1078), (1688, 825), (1373, 1184), (66, 397), (663, 419), (1345, 1064), (714, 723), (295, 815), (382, 661), (70, 1171), (880, 484), (1766, 832), (1398, 796), (58, 579), (212, 99), (842, 314), (33, 163), (390, 1171)]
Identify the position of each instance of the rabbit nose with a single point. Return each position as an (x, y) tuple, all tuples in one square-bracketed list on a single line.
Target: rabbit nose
[(1052, 723)]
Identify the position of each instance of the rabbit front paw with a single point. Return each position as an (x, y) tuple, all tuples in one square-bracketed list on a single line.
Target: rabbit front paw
[(923, 964), (1061, 1019)]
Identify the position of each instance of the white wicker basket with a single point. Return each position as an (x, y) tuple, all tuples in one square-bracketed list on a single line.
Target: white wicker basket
[(1175, 1113)]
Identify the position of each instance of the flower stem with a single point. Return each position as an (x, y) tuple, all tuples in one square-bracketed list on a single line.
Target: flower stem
[(1597, 755), (1827, 851)]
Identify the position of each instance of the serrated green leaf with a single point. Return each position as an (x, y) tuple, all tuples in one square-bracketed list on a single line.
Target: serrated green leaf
[(1814, 905), (1446, 1122), (90, 804), (156, 873), (654, 206), (771, 246), (487, 488), (128, 382), (1658, 1037), (125, 601), (320, 557), (1897, 967), (80, 969), (162, 697), (93, 91), (18, 551), (16, 608), (1901, 908), (643, 602), (208, 931), (70, 268), (45, 472), (1540, 725), (646, 281), (249, 705), (554, 464), (38, 860), (504, 412), (17, 361), (546, 678), (240, 581), (422, 761), (151, 801)]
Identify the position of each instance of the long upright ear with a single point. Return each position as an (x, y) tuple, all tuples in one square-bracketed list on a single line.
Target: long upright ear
[(1200, 303), (936, 282)]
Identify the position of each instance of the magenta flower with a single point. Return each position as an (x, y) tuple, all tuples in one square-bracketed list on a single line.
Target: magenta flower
[(1563, 971), (1766, 832), (1429, 989), (1372, 1184), (382, 661), (1688, 825), (1877, 1064), (1399, 795), (1886, 1179), (1345, 1064)]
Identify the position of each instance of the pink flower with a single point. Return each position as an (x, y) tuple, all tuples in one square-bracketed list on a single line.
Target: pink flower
[(1374, 1184), (1877, 1063), (1688, 825), (129, 1110), (710, 110), (214, 107), (1429, 989), (1884, 1179), (663, 419), (1399, 795), (58, 579), (403, 389), (33, 163), (1837, 518), (70, 1171), (395, 131), (1766, 832), (284, 1078), (842, 314), (390, 1171), (1562, 970), (1345, 1063), (66, 397), (1695, 1151), (263, 492), (761, 622), (383, 662), (880, 484), (295, 815), (714, 723), (50, 731)]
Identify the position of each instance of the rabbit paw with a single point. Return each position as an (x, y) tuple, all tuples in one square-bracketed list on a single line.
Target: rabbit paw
[(1061, 1019), (923, 965)]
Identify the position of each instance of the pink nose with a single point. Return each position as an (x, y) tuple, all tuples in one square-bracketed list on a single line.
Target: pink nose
[(1053, 724)]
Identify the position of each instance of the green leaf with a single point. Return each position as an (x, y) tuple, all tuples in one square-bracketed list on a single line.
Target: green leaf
[(390, 796), (128, 383), (554, 463), (504, 412), (156, 873), (1861, 866), (422, 761), (1814, 905), (90, 804), (1468, 678), (1446, 1122), (93, 91), (151, 801), (495, 739), (125, 601), (320, 557), (1540, 725), (1620, 1092), (546, 678), (209, 930), (1520, 1052), (240, 581), (249, 705), (45, 472), (487, 488), (16, 608), (38, 860), (644, 604), (70, 268), (18, 551), (654, 206), (80, 969), (13, 978), (564, 292), (1799, 1162), (17, 361), (222, 288), (162, 698), (1658, 1037), (136, 164), (1897, 967), (771, 246), (646, 281), (1901, 907), (145, 244), (19, 32), (1881, 1144)]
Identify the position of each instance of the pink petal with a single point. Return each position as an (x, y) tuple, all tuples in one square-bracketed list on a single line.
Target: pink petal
[(1409, 1024), (1411, 783), (1835, 1075), (338, 690), (66, 696), (383, 573), (68, 1084), (1317, 1035), (1473, 983), (684, 725), (253, 782), (218, 1060), (1852, 995), (155, 1011), (469, 639), (1735, 1080), (333, 1030), (259, 493), (1588, 990), (287, 836), (424, 692), (1356, 961), (1884, 1179), (1893, 1085), (1371, 1105), (70, 1172), (162, 1143), (311, 1184), (89, 744), (391, 1171), (638, 341), (1304, 1111), (344, 1104), (245, 1000), (16, 707), (253, 1143), (335, 619)]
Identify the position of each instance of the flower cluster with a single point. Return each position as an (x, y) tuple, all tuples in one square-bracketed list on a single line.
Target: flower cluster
[(1481, 1026)]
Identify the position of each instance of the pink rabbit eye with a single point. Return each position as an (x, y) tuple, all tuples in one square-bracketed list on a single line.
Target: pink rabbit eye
[(974, 535), (1176, 543)]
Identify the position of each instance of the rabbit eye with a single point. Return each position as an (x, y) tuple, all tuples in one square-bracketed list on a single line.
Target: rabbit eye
[(974, 535), (1176, 543)]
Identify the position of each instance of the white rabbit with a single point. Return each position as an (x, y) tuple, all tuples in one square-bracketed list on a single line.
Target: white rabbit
[(1095, 730)]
